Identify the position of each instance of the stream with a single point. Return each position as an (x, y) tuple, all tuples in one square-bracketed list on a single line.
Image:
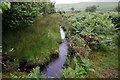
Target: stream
[(53, 69)]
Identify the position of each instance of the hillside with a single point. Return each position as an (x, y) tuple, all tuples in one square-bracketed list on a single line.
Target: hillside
[(103, 6)]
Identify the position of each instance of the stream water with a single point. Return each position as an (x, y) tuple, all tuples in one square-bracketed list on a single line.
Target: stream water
[(53, 69)]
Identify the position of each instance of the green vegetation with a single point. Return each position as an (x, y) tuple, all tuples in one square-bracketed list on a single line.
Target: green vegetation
[(20, 75), (60, 12), (37, 43), (24, 13), (79, 69), (89, 34), (31, 37), (4, 5), (33, 42), (98, 26), (91, 8), (72, 8), (34, 74), (105, 64)]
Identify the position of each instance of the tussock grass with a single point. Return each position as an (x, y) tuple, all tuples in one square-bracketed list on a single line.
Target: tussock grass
[(37, 42)]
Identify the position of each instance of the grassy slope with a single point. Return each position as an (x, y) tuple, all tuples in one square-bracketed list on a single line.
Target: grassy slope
[(103, 6)]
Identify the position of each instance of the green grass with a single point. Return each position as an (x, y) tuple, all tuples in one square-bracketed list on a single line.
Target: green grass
[(104, 64), (37, 43)]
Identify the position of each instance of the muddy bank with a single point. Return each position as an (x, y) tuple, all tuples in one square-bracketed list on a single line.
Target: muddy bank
[(27, 65)]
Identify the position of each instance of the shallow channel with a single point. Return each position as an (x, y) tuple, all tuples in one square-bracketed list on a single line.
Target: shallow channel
[(53, 69)]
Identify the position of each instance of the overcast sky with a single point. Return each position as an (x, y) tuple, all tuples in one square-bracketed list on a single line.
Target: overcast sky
[(76, 1)]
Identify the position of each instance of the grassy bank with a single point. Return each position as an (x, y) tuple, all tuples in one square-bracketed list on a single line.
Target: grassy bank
[(35, 44)]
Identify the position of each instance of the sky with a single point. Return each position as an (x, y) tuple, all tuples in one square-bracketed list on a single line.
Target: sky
[(76, 1)]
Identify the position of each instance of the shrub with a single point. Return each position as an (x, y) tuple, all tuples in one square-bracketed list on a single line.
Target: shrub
[(93, 28), (91, 8)]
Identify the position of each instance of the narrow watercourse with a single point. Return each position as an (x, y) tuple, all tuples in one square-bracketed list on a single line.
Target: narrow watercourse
[(53, 69)]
